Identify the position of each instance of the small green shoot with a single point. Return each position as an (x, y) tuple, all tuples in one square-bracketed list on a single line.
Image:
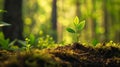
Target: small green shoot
[(78, 27), (45, 42), (28, 46), (95, 42)]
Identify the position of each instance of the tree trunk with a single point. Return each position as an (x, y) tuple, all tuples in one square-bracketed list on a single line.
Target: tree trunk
[(106, 24), (13, 16), (94, 35), (54, 19), (78, 8)]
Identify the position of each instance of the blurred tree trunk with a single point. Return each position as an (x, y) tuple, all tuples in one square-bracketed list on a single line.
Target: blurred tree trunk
[(54, 19), (117, 35), (106, 24), (94, 35), (115, 19), (78, 8), (13, 16), (89, 20), (60, 27)]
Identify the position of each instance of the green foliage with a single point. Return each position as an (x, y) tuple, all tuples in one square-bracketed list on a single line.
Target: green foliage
[(5, 43), (113, 44), (28, 43), (78, 27), (108, 45), (45, 42), (70, 30), (95, 42), (39, 42), (27, 46), (32, 39)]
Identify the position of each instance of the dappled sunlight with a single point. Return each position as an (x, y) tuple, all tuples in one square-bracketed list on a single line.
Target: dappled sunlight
[(28, 21), (100, 23), (37, 15)]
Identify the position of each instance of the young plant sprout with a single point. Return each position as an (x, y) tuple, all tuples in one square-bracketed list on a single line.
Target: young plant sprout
[(78, 27), (27, 44)]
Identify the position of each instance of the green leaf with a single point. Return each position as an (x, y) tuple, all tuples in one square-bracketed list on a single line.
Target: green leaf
[(32, 39), (12, 43), (2, 35), (70, 30), (81, 25), (76, 21), (95, 42), (23, 43), (4, 24), (1, 11)]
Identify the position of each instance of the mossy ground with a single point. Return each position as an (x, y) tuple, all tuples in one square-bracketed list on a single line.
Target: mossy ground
[(74, 55)]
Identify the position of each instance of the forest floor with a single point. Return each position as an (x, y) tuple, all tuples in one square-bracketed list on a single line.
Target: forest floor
[(75, 55)]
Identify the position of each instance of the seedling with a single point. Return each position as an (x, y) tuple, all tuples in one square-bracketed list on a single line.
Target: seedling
[(78, 27), (28, 46)]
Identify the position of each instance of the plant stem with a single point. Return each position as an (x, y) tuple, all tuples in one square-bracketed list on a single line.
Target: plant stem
[(75, 37)]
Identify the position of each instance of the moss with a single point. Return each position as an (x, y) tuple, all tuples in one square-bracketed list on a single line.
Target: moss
[(69, 56)]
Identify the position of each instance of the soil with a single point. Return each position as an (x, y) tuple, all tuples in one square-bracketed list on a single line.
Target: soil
[(75, 55)]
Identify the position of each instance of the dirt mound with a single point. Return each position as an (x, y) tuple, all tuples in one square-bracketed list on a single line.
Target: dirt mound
[(77, 55), (74, 55)]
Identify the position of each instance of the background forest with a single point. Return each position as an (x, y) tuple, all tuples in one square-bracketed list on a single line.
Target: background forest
[(52, 17)]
